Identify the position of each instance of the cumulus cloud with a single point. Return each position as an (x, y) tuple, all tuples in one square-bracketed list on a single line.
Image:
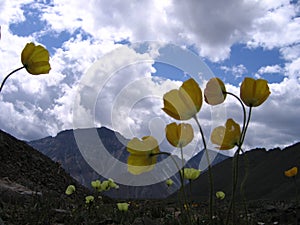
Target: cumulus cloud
[(274, 123), (278, 115), (11, 11), (212, 26), (236, 71), (270, 69), (278, 27), (215, 25)]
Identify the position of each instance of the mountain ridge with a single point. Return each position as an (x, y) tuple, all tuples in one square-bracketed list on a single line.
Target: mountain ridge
[(64, 149)]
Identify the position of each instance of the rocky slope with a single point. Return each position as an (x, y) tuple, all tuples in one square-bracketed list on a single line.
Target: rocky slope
[(32, 185)]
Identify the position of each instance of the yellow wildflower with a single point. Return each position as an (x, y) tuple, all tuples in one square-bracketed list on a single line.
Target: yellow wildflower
[(254, 92), (142, 156), (184, 103), (35, 59), (179, 135)]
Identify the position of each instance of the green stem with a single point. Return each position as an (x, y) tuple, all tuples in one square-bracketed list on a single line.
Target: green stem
[(201, 131), (3, 82), (236, 157), (210, 176), (243, 107), (181, 175), (297, 199), (234, 184), (186, 204), (247, 124), (242, 189), (190, 194)]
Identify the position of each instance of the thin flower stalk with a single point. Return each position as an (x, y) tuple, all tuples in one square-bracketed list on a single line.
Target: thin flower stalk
[(211, 184), (12, 72)]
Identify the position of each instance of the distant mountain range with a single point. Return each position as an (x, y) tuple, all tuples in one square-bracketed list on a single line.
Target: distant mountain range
[(64, 149), (22, 164)]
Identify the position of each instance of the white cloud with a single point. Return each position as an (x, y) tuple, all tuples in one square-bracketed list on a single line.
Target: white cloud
[(215, 25), (290, 52), (293, 68), (10, 11), (236, 71), (212, 26), (118, 91), (270, 69), (274, 123), (279, 27)]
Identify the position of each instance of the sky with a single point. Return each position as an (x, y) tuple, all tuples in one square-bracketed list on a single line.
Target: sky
[(112, 61)]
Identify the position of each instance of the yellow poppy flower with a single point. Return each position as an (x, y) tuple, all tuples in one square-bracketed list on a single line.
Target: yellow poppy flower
[(35, 59), (89, 199), (70, 189), (96, 184), (105, 185), (169, 182), (123, 206), (254, 92), (226, 137), (215, 91), (141, 158), (112, 184), (220, 195), (291, 172), (184, 103), (190, 173), (179, 135)]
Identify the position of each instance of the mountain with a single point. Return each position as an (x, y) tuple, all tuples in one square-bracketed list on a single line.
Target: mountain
[(266, 179), (265, 176), (26, 166), (65, 149), (32, 185)]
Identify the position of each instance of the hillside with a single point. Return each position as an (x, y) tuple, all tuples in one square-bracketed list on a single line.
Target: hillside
[(266, 178), (27, 178)]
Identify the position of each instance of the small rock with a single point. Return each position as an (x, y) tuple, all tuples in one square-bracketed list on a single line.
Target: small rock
[(270, 208), (143, 221), (1, 221)]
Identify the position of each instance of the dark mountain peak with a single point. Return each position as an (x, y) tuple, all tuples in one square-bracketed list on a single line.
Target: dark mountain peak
[(28, 167), (102, 131), (275, 149), (64, 133), (258, 150), (64, 148)]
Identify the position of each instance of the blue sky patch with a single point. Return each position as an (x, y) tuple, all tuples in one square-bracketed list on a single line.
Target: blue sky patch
[(31, 24), (248, 61)]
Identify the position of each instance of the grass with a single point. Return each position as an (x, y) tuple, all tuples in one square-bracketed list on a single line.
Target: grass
[(54, 209)]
